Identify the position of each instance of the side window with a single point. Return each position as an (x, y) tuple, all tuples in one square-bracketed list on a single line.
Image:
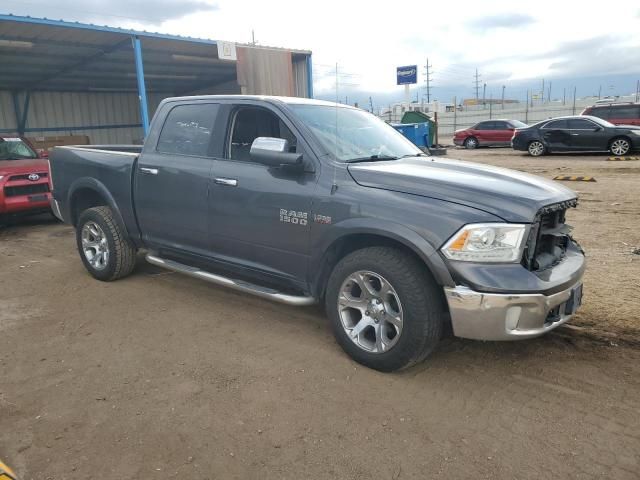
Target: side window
[(579, 124), (249, 123), (601, 112), (556, 124), (498, 125), (484, 126), (187, 130), (625, 112)]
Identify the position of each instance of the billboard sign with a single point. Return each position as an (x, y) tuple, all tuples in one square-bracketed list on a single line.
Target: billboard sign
[(407, 75)]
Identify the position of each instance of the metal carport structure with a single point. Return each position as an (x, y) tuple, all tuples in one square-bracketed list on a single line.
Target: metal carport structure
[(55, 63)]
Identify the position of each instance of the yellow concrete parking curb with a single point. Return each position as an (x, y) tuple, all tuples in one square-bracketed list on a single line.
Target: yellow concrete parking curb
[(6, 473), (622, 159), (571, 178)]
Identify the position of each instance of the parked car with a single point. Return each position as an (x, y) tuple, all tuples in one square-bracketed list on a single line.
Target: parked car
[(24, 179), (576, 134), (487, 133), (265, 196), (616, 113)]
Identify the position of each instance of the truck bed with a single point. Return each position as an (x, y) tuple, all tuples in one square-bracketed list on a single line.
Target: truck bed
[(105, 168)]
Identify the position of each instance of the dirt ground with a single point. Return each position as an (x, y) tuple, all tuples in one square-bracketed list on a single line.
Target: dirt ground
[(162, 376)]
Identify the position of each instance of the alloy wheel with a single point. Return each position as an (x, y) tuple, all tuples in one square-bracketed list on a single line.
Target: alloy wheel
[(95, 246), (619, 147), (536, 149), (370, 311)]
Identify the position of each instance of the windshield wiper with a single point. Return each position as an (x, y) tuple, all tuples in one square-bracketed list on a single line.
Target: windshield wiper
[(414, 155), (372, 158)]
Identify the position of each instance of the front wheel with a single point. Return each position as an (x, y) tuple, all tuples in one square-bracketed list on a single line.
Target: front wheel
[(105, 250), (620, 146), (536, 148), (386, 310), (471, 143)]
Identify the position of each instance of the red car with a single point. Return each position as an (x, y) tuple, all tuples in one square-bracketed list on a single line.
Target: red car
[(488, 133), (616, 113), (24, 179)]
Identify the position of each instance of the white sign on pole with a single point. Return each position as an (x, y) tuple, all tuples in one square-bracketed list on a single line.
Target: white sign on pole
[(227, 51)]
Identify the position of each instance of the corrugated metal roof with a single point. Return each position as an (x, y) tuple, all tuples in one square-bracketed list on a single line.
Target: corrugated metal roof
[(43, 54)]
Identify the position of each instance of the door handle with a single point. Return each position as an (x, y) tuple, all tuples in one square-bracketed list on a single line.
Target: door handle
[(149, 171), (230, 182), (575, 134)]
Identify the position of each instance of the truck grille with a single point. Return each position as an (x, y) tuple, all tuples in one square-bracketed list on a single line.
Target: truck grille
[(26, 189), (548, 238)]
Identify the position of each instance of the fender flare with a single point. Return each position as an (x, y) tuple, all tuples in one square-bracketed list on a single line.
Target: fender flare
[(93, 184), (392, 231)]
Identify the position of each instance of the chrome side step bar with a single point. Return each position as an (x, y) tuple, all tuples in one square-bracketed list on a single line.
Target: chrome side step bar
[(239, 285)]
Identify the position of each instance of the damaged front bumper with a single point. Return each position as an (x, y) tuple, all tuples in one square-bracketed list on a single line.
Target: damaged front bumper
[(494, 316)]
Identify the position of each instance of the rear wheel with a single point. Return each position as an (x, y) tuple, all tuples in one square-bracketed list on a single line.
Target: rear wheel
[(619, 146), (385, 309), (106, 252), (536, 148), (471, 143)]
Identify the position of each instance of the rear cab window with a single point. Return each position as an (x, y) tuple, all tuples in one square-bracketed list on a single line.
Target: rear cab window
[(187, 130)]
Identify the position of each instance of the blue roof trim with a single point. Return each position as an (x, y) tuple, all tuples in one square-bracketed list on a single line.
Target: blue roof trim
[(97, 28)]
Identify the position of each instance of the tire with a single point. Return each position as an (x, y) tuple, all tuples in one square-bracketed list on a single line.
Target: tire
[(536, 148), (470, 143), (619, 146), (97, 233), (413, 297)]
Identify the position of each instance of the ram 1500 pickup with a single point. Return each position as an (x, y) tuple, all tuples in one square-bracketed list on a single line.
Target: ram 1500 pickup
[(302, 201)]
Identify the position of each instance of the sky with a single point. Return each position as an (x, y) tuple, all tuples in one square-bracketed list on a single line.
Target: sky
[(592, 46)]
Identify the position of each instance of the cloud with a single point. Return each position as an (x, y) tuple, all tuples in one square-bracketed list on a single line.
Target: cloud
[(146, 12), (505, 20)]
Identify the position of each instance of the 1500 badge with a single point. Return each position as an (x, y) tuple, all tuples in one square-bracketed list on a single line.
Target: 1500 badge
[(293, 217)]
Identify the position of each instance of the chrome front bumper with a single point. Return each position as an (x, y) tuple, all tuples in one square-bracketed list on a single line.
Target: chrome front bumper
[(491, 316)]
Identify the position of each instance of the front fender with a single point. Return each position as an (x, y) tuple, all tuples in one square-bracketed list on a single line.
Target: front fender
[(386, 229)]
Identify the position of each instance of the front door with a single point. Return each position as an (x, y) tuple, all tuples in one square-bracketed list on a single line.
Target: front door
[(586, 135), (260, 215), (172, 180)]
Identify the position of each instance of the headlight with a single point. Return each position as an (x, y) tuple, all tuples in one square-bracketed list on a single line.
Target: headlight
[(487, 242)]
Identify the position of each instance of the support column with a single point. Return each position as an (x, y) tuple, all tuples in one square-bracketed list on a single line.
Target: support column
[(309, 77), (142, 91), (21, 115)]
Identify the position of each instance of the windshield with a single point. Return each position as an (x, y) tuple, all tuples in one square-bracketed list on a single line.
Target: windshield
[(15, 149), (518, 124), (358, 135)]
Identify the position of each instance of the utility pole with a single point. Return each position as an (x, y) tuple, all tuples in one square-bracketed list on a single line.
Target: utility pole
[(455, 112), (429, 72), (549, 95), (564, 95), (638, 90), (599, 91), (542, 92), (526, 112), (253, 37), (502, 101), (490, 106), (477, 85), (371, 104), (484, 96), (574, 100)]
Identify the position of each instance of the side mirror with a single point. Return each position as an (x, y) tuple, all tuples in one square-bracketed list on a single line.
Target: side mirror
[(597, 129), (274, 152)]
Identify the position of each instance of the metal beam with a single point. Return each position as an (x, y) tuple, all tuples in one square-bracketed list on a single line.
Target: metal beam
[(21, 113), (142, 92)]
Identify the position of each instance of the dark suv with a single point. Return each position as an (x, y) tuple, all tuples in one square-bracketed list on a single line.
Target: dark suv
[(616, 113)]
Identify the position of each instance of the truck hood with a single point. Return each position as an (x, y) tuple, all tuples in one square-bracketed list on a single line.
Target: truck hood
[(16, 167), (508, 194)]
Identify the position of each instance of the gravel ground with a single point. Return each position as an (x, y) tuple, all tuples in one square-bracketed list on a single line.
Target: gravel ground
[(162, 376)]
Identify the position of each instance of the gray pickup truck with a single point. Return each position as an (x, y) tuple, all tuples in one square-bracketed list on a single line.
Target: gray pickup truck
[(302, 201)]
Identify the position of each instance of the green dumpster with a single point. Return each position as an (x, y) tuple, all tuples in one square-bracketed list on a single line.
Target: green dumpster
[(419, 117)]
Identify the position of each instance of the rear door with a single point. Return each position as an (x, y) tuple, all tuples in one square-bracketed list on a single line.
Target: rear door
[(260, 215), (556, 135), (172, 179), (483, 132)]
